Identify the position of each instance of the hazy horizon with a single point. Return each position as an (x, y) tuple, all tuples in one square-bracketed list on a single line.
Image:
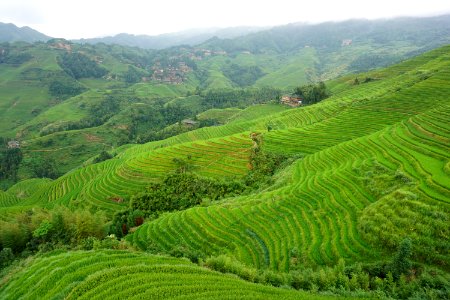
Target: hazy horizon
[(83, 19)]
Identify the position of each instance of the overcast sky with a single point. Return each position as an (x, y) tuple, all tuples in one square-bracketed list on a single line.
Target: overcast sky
[(94, 18)]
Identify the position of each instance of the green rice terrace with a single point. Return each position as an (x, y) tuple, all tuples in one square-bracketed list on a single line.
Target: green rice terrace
[(355, 202)]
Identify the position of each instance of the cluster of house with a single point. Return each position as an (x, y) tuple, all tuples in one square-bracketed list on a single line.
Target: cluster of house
[(346, 42), (199, 54), (291, 100), (172, 74), (176, 72), (13, 144)]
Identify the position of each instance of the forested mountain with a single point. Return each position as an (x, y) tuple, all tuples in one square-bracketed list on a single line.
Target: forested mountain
[(188, 37), (11, 33)]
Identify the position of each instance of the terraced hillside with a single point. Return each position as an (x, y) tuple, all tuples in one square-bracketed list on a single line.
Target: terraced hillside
[(366, 149), (376, 157), (128, 275), (106, 185)]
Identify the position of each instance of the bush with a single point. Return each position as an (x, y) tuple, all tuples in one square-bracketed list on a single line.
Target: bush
[(6, 257), (182, 190)]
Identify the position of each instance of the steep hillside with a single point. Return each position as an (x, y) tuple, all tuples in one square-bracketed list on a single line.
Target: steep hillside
[(358, 205), (123, 274), (68, 102), (364, 149)]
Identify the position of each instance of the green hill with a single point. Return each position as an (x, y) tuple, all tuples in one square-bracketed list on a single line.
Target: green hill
[(122, 274), (367, 145), (12, 33), (348, 196), (68, 102)]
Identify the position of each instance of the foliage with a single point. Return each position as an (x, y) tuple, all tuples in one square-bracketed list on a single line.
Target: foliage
[(367, 62), (133, 75), (41, 227), (10, 160), (373, 279), (312, 93), (13, 58), (6, 257), (123, 221), (44, 167), (104, 155), (79, 65), (401, 265), (238, 97), (65, 88), (264, 164), (182, 190), (242, 75)]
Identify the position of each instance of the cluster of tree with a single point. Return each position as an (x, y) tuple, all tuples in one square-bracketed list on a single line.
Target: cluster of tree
[(264, 164), (10, 160), (123, 221), (149, 123), (182, 190), (170, 131), (365, 80), (39, 229), (64, 88), (366, 62), (43, 166), (104, 155), (78, 65), (71, 125), (101, 111), (226, 98), (398, 278), (242, 75), (165, 133), (13, 58), (134, 75), (312, 93)]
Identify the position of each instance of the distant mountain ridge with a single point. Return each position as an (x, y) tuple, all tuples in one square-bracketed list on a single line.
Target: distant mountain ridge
[(187, 37), (11, 33), (428, 31)]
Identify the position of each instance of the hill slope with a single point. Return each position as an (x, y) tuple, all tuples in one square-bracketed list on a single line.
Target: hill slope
[(364, 150), (123, 274), (389, 132), (12, 33)]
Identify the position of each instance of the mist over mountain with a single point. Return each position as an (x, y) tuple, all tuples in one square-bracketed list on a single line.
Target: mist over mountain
[(187, 37), (329, 36)]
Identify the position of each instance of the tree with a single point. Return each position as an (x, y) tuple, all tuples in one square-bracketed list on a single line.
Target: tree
[(401, 263), (44, 167), (10, 160), (312, 93)]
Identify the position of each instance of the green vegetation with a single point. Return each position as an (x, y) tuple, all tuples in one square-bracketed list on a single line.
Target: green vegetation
[(312, 93), (41, 229), (79, 66), (122, 274), (347, 196), (181, 191), (243, 76)]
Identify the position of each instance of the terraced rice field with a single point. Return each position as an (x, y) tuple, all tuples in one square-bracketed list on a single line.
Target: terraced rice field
[(107, 184), (127, 275), (326, 211), (323, 207)]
